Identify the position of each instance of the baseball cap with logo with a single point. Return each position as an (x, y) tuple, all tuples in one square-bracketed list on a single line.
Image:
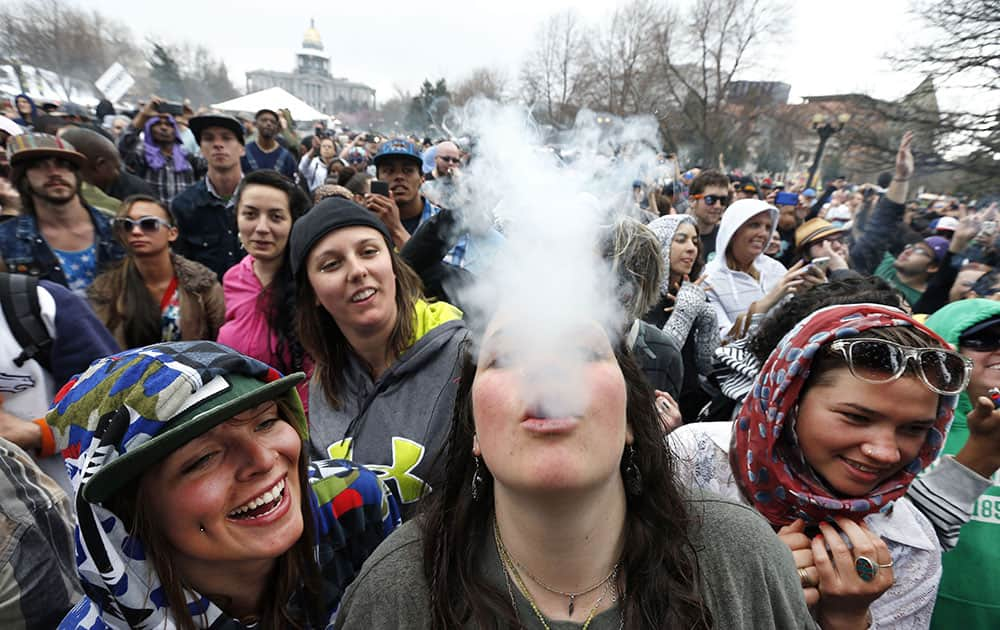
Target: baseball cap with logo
[(398, 147)]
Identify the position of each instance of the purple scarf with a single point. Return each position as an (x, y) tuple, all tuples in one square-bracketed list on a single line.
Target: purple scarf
[(154, 156)]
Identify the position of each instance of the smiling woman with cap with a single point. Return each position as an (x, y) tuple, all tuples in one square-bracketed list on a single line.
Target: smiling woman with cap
[(387, 362), (196, 503)]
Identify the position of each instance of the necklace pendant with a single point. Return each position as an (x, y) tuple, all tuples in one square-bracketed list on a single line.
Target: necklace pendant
[(572, 605)]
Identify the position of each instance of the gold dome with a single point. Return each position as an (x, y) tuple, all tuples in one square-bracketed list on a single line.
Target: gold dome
[(312, 38)]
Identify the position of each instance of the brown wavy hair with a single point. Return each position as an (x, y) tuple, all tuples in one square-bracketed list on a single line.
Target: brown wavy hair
[(326, 343), (659, 563)]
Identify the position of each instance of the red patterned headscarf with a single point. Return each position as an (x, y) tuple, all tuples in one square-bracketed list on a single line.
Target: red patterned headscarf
[(767, 463)]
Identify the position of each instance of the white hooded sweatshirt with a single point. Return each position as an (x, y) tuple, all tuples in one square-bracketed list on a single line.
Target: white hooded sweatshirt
[(733, 291)]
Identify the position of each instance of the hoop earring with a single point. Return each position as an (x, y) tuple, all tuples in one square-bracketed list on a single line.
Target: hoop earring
[(477, 481), (633, 478)]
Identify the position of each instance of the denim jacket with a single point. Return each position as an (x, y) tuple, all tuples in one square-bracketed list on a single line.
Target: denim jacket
[(207, 225), (24, 249)]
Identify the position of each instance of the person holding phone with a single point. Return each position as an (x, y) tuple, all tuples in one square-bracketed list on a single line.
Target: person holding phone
[(398, 166), (152, 148), (317, 162)]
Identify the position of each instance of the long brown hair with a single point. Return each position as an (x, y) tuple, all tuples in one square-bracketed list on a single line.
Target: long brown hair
[(131, 303), (295, 569), (659, 562), (326, 343)]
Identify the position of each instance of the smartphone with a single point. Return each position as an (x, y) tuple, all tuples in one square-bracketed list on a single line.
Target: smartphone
[(174, 109), (380, 188), (820, 263), (994, 394), (989, 228)]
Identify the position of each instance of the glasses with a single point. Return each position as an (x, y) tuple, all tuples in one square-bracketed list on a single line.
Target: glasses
[(711, 200), (150, 225), (917, 250), (450, 160), (984, 341), (879, 361)]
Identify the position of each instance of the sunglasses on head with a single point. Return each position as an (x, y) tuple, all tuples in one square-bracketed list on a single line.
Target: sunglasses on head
[(879, 361), (710, 200), (146, 224)]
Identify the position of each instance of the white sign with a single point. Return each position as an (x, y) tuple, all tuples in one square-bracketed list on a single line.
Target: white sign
[(114, 82)]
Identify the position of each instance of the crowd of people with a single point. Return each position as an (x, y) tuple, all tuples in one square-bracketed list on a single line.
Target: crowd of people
[(249, 381)]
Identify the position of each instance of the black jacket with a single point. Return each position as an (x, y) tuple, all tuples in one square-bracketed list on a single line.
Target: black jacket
[(207, 227)]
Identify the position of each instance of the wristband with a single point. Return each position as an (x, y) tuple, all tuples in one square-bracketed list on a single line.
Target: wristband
[(48, 446)]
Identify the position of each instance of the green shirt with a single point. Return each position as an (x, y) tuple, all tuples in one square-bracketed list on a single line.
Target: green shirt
[(887, 272), (969, 594)]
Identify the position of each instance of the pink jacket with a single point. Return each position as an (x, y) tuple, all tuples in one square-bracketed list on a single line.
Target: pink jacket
[(245, 328)]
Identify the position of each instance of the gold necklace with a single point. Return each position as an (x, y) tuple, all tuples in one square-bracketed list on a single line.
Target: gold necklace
[(509, 568)]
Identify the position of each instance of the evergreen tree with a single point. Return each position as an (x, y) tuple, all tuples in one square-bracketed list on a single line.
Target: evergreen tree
[(166, 73)]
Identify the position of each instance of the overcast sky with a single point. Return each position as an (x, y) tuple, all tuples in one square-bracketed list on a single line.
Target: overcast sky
[(823, 48)]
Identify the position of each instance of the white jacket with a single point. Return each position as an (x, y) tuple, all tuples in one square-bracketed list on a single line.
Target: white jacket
[(313, 171), (732, 291)]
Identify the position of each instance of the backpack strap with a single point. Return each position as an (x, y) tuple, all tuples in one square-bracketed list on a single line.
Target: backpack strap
[(19, 295)]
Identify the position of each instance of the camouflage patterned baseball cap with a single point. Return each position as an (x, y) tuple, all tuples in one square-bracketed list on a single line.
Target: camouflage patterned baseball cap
[(129, 411)]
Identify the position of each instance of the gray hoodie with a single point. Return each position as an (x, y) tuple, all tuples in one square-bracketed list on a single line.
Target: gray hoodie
[(395, 425)]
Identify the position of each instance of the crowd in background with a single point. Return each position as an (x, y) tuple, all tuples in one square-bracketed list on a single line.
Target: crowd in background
[(824, 358)]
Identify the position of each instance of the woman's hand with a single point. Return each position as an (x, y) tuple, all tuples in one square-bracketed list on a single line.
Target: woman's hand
[(792, 281), (795, 539), (836, 260), (670, 412), (844, 595)]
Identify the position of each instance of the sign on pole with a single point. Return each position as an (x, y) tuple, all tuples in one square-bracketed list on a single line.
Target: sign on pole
[(115, 82)]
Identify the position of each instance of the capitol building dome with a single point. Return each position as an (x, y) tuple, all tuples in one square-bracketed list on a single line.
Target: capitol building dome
[(312, 38), (312, 81)]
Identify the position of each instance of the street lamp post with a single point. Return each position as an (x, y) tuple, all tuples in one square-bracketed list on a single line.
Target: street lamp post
[(826, 127)]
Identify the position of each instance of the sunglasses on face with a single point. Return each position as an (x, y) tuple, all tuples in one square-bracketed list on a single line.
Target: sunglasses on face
[(983, 341), (917, 250), (879, 361), (149, 225), (711, 200)]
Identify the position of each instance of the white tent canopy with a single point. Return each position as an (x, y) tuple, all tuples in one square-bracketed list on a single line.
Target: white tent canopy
[(272, 98)]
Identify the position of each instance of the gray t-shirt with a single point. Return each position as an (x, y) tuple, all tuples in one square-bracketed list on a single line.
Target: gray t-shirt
[(748, 577)]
